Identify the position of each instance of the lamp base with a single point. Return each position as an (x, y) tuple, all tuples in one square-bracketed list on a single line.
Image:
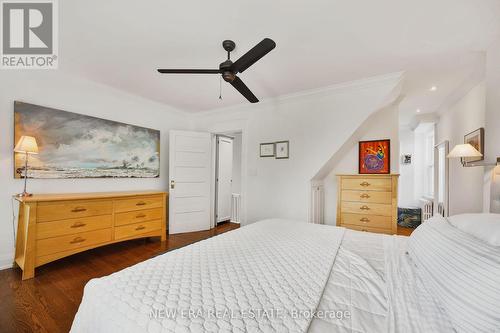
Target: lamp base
[(24, 195)]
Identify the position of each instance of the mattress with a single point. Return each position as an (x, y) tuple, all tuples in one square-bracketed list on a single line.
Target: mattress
[(271, 276)]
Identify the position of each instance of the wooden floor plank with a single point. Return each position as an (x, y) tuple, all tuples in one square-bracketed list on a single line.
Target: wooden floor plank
[(49, 301)]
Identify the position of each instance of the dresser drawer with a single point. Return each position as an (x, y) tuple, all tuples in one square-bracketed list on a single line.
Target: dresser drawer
[(367, 229), (72, 226), (72, 209), (138, 216), (366, 208), (373, 221), (71, 242), (138, 203), (367, 196), (367, 184), (136, 229)]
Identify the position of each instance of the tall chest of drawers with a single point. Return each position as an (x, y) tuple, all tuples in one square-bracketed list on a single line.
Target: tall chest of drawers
[(54, 226), (368, 202)]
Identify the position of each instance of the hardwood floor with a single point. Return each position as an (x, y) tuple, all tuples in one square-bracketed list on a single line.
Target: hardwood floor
[(48, 302), (404, 231)]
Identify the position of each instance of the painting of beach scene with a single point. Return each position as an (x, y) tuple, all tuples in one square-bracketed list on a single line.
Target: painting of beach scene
[(73, 145)]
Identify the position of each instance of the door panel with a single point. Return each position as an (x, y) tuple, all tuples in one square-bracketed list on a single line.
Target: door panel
[(224, 178), (190, 175)]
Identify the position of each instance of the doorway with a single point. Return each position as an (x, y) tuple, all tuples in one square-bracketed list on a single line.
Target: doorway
[(228, 178)]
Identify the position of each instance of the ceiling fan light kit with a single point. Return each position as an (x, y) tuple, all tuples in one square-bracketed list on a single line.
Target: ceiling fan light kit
[(228, 69)]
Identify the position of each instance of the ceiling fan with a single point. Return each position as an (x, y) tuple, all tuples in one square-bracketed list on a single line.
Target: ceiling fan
[(229, 69)]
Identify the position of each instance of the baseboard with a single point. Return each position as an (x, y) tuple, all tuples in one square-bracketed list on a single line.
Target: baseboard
[(6, 261)]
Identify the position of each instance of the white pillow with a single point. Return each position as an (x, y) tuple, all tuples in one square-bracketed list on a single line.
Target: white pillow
[(461, 271), (486, 227)]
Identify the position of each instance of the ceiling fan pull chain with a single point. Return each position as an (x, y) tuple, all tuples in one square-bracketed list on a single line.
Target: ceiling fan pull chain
[(220, 87)]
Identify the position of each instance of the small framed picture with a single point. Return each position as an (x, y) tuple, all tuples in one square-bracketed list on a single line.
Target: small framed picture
[(282, 149), (406, 159), (476, 140), (267, 150)]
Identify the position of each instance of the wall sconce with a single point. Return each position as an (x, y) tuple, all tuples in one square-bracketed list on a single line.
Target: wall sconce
[(465, 150)]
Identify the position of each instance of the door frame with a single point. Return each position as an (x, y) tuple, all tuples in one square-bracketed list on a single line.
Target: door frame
[(216, 172), (227, 130), (446, 146)]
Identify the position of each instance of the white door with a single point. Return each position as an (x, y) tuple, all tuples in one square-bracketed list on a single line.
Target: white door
[(224, 178), (190, 176)]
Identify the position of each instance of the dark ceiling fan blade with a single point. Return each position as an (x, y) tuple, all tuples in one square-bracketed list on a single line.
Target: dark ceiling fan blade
[(243, 89), (252, 56), (189, 71)]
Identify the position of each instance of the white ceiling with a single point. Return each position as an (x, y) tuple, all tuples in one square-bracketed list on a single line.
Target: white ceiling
[(319, 43)]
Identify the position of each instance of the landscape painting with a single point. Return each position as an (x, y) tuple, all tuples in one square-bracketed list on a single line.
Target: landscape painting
[(73, 145)]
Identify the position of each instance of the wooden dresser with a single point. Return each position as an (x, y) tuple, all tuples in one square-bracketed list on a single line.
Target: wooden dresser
[(368, 203), (53, 226)]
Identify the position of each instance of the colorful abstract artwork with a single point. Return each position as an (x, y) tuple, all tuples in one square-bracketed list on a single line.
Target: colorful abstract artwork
[(375, 157), (73, 145)]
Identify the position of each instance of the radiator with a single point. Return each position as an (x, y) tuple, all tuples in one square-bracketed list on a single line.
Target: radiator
[(427, 209), (317, 204), (440, 209), (235, 208)]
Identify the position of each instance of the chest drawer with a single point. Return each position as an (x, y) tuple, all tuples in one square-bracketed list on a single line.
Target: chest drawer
[(367, 229), (373, 221), (131, 230), (367, 184), (72, 226), (71, 242), (139, 203), (72, 209), (366, 208), (367, 196), (138, 216)]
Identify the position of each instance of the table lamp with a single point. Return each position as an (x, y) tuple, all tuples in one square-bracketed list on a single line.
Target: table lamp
[(26, 145)]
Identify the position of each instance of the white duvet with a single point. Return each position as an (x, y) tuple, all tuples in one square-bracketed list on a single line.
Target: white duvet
[(271, 276)]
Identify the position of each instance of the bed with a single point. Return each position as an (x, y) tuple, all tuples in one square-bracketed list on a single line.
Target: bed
[(284, 276)]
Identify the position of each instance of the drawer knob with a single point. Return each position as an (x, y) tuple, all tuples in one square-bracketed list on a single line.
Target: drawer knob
[(364, 220), (140, 203), (141, 227), (365, 184), (364, 230), (140, 216), (77, 240), (78, 210), (78, 225), (364, 207), (364, 196)]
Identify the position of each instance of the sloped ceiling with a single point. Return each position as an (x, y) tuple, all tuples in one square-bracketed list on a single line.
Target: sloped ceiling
[(319, 43)]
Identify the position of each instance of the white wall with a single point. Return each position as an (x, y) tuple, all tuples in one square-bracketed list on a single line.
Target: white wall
[(316, 123), (54, 89), (407, 171), (383, 124), (466, 184), (492, 129)]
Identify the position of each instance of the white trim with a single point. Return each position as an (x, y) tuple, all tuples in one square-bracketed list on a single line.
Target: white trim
[(339, 87), (7, 261)]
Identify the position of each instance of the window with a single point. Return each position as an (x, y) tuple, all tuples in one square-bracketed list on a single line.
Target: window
[(429, 164)]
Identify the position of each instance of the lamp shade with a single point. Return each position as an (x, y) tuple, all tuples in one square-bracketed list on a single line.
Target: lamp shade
[(27, 145), (464, 150)]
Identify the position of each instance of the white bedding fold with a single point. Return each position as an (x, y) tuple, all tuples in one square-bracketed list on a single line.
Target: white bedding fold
[(226, 282), (413, 308)]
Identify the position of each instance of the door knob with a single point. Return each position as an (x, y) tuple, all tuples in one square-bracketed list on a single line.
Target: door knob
[(172, 184)]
